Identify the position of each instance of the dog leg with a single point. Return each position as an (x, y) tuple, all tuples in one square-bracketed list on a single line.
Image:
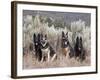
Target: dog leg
[(54, 56), (42, 58), (67, 54)]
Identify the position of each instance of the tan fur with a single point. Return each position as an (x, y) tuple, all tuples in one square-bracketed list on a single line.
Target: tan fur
[(65, 51)]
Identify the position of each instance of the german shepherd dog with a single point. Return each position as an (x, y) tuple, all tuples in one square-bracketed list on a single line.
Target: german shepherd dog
[(78, 48), (48, 52), (36, 40), (66, 47)]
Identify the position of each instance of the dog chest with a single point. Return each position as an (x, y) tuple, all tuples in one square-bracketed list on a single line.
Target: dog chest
[(66, 50), (45, 51)]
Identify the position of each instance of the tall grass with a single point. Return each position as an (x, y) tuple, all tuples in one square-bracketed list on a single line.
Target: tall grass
[(77, 28)]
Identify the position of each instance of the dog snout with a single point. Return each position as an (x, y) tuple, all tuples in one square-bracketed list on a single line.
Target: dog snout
[(43, 42)]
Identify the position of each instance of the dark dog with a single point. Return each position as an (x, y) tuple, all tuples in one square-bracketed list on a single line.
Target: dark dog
[(48, 52), (79, 50), (36, 40), (66, 47)]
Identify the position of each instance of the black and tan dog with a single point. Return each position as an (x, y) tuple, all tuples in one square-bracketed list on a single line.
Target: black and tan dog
[(67, 50), (48, 52)]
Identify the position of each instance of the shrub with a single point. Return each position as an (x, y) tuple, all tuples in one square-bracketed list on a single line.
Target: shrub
[(33, 25)]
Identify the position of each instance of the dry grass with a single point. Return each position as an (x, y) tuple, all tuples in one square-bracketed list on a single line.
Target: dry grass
[(30, 62)]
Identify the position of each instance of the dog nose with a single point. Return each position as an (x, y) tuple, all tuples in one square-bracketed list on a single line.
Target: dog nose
[(43, 42)]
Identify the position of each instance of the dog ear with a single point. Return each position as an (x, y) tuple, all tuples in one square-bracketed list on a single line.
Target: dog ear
[(81, 39), (41, 36), (67, 34), (45, 36), (63, 34), (34, 37), (38, 36), (77, 39)]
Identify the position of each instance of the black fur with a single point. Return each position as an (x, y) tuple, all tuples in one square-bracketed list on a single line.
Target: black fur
[(79, 50), (36, 40)]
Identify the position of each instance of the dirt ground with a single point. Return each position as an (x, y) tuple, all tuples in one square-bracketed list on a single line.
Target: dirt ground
[(30, 62)]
